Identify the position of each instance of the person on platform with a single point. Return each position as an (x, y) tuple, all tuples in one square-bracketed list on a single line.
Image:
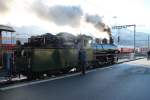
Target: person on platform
[(148, 55), (83, 60)]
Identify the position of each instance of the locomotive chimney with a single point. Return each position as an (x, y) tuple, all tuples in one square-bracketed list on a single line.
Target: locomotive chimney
[(108, 30)]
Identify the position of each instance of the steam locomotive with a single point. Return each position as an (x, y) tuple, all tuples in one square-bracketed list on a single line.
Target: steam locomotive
[(52, 54)]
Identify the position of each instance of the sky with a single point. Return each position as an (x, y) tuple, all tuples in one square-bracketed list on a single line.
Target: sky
[(74, 16)]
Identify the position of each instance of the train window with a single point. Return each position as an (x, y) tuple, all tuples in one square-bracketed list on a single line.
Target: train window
[(85, 43), (98, 41), (7, 38)]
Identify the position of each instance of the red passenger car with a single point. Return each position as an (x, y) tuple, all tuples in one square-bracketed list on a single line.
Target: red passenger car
[(126, 49)]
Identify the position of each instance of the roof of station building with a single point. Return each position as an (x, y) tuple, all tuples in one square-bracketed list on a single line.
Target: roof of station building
[(6, 28)]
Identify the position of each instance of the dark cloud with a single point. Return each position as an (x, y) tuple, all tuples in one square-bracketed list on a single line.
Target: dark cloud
[(60, 15)]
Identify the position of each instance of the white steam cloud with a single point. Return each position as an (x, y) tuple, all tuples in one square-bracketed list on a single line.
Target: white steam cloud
[(66, 15), (60, 15)]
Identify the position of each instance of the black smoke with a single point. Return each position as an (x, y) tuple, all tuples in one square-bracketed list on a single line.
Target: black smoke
[(95, 20), (98, 23)]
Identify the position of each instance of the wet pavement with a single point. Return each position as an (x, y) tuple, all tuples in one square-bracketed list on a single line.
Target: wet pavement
[(3, 74), (126, 81)]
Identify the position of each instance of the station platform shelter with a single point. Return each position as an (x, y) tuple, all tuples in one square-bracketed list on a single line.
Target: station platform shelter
[(7, 43)]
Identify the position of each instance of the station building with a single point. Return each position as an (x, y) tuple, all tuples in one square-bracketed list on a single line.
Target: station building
[(7, 43)]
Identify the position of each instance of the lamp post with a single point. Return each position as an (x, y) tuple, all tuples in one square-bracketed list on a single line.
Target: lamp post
[(134, 37)]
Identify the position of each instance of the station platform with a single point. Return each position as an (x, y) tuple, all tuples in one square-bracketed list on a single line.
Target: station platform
[(143, 62), (3, 73), (124, 81)]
